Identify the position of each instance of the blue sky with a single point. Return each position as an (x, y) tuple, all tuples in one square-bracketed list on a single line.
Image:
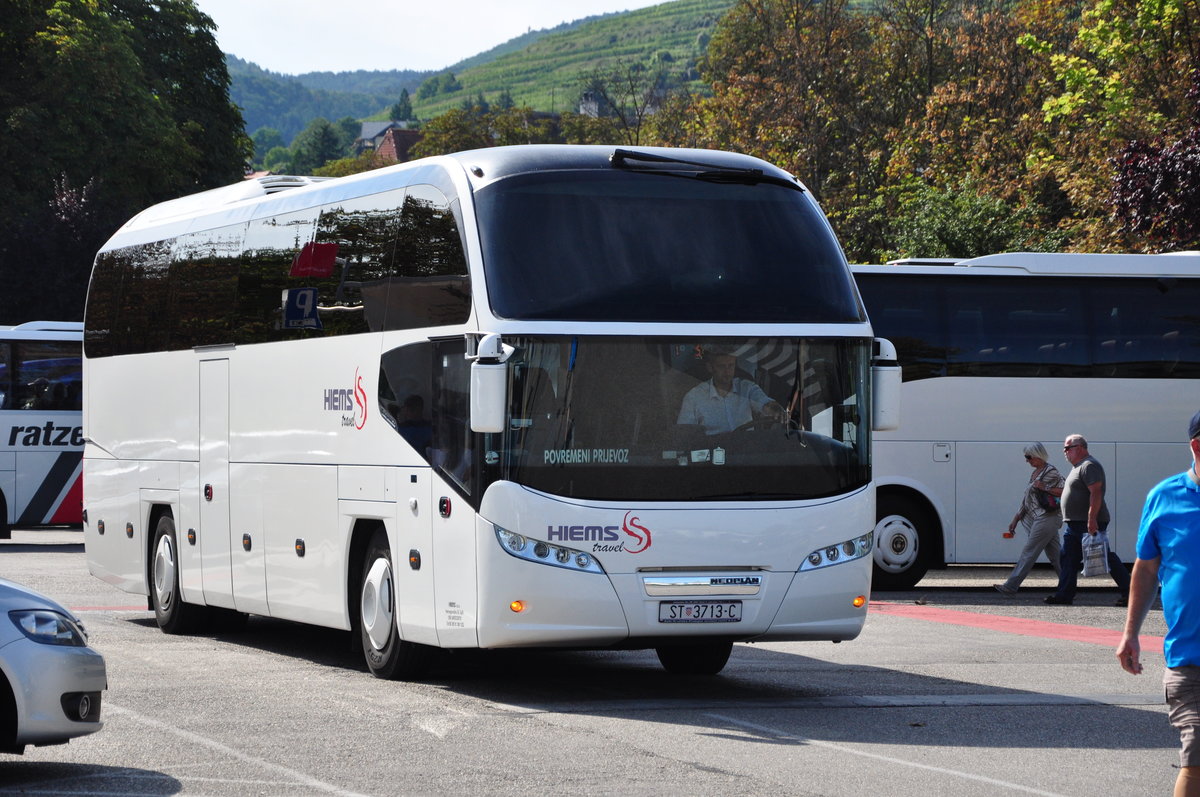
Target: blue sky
[(296, 36)]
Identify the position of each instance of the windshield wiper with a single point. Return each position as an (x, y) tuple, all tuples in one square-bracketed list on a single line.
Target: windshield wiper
[(631, 159)]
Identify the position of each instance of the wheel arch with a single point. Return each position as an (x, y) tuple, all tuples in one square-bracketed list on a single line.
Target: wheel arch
[(155, 513), (903, 492), (5, 528), (9, 722), (360, 539)]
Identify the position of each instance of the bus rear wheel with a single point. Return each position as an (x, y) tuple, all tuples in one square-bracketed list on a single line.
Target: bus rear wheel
[(173, 615), (388, 656), (708, 658), (902, 543)]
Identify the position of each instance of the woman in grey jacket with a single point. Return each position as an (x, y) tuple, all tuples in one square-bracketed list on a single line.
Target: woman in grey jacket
[(1040, 514)]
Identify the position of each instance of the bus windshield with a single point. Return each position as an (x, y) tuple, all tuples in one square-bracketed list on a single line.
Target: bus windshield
[(676, 420), (647, 246)]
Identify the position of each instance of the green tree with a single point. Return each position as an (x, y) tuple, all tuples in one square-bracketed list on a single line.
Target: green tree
[(628, 94), (402, 111), (265, 139), (454, 131), (185, 68), (315, 145), (343, 167), (347, 129), (124, 105), (792, 84), (956, 221), (1125, 76), (278, 160)]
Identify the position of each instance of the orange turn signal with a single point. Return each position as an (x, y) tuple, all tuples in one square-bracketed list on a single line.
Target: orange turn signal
[(517, 606), (860, 601)]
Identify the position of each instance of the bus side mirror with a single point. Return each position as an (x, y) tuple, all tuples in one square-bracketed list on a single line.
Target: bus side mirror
[(489, 383), (885, 387)]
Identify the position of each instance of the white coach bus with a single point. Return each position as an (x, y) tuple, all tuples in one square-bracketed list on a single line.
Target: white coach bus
[(1007, 349), (439, 405), (41, 437)]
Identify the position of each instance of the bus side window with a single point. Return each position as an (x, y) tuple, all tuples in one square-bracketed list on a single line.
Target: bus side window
[(430, 286), (406, 394), (451, 451), (5, 376)]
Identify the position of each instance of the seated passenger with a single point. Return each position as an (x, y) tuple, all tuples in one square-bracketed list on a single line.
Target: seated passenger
[(725, 401), (413, 425)]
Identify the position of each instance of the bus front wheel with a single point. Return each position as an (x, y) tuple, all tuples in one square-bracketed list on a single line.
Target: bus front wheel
[(902, 543), (388, 656), (703, 659), (173, 615)]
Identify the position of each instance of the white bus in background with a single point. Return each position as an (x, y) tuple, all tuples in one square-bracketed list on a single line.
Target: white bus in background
[(438, 404), (1007, 349), (41, 437)]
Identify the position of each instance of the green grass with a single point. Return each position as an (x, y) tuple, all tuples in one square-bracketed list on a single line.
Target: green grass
[(549, 73)]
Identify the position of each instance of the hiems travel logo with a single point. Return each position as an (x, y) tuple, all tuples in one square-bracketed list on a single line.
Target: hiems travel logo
[(605, 539), (352, 403)]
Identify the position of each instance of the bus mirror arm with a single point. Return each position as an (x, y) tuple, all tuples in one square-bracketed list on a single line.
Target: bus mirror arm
[(489, 383), (490, 347), (885, 387)]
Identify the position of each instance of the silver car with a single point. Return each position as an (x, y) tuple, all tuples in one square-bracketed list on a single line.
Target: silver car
[(50, 680)]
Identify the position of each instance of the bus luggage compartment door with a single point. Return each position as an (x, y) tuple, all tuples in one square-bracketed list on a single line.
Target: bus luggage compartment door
[(214, 483)]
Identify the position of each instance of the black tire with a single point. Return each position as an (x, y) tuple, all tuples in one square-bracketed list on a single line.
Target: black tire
[(5, 529), (708, 658), (174, 616), (904, 533), (388, 656), (8, 720)]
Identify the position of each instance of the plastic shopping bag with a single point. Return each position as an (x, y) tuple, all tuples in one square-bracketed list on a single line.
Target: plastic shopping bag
[(1095, 554)]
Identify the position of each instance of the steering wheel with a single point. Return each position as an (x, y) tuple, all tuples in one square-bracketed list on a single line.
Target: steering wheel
[(761, 422)]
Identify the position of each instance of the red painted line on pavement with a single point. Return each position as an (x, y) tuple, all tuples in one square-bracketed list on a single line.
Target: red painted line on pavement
[(1014, 625)]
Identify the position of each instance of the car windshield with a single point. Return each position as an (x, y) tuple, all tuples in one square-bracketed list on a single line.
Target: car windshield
[(672, 419)]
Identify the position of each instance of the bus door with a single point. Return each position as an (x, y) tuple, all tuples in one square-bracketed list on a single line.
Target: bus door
[(413, 555), (214, 483), (990, 479)]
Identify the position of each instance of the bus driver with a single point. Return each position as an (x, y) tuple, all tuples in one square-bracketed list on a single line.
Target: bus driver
[(726, 402)]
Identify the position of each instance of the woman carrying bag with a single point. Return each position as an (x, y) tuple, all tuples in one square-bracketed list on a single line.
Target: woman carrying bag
[(1040, 514)]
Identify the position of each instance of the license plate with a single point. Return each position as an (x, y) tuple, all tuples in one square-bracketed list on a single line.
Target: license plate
[(700, 612)]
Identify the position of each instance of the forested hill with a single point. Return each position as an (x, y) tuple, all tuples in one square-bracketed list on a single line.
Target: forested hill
[(287, 103), (543, 68)]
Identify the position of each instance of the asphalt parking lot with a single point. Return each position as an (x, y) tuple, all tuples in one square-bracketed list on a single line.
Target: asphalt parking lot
[(952, 689)]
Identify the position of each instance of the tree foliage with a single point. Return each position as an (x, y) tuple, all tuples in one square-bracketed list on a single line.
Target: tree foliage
[(316, 145), (107, 106), (1156, 186), (927, 122), (402, 111)]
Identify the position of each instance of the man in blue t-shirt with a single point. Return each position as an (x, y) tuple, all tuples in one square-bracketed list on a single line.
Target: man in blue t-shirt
[(1168, 553)]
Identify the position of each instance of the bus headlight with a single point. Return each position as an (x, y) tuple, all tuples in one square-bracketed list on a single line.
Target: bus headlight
[(840, 553), (546, 553)]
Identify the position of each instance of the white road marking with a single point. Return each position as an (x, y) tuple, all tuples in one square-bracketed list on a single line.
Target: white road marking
[(776, 732), (299, 778)]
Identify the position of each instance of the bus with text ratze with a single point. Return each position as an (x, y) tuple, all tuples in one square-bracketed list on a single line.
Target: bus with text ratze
[(41, 436), (438, 405), (1007, 349)]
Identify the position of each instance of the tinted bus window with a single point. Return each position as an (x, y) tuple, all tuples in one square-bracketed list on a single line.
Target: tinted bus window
[(621, 246), (1037, 326)]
